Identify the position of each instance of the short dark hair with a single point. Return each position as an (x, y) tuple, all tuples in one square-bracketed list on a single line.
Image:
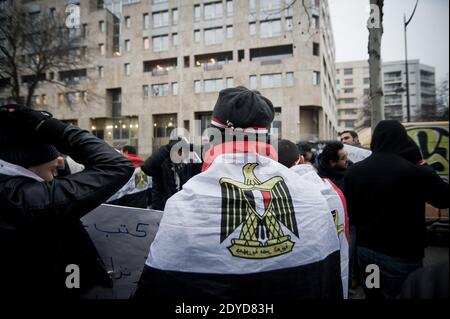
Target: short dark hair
[(352, 133), (288, 153), (330, 151), (129, 149), (304, 148)]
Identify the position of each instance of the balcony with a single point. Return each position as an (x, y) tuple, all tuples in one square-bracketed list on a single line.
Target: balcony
[(428, 101), (270, 62), (160, 72), (392, 79), (160, 67), (213, 61), (428, 90), (394, 102), (212, 66)]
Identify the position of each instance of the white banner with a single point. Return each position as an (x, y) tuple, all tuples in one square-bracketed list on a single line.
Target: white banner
[(122, 236), (357, 154)]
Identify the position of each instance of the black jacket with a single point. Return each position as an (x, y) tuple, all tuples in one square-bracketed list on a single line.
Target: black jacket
[(386, 195), (162, 170), (40, 228)]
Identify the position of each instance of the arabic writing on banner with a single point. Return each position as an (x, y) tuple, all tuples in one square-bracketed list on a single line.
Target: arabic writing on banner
[(122, 236)]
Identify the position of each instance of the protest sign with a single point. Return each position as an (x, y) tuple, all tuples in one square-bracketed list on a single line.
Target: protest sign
[(122, 236), (356, 154)]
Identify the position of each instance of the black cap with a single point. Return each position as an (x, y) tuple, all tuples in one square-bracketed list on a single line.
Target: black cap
[(241, 108), (20, 149)]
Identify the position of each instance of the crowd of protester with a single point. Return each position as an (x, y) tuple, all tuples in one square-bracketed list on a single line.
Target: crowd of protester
[(344, 216)]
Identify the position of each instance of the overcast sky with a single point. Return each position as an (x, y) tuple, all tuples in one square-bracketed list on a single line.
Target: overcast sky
[(428, 32)]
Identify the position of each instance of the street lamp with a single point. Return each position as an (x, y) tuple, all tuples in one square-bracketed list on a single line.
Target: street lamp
[(405, 23)]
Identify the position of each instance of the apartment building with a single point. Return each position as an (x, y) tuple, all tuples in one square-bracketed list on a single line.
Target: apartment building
[(156, 65), (353, 82)]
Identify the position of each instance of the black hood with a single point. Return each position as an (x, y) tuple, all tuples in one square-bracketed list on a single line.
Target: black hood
[(391, 137)]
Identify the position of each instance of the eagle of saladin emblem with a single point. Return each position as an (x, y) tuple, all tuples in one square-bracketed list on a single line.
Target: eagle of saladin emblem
[(261, 235)]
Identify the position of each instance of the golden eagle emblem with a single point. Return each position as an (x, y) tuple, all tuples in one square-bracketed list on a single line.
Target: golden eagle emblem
[(259, 207)]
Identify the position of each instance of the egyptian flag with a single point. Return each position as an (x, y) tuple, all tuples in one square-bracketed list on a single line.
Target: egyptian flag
[(338, 208), (245, 227)]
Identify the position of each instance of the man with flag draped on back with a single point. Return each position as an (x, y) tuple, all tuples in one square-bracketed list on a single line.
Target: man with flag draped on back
[(246, 226)]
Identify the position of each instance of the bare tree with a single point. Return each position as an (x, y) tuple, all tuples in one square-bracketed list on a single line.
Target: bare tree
[(364, 113), (375, 26), (32, 45), (442, 100)]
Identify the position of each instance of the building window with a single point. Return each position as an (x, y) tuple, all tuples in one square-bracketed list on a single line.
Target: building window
[(289, 24), (101, 72), (366, 91), (213, 10), (214, 85), (348, 71), (101, 48), (175, 39), (348, 81), (52, 12), (160, 89), (347, 123), (174, 16), (127, 45), (146, 43), (160, 43), (348, 90), (268, 5), (289, 8), (101, 26), (36, 100), (316, 49), (197, 36), (229, 8), (230, 83), (197, 13), (145, 21), (316, 78), (197, 87), (252, 28), (271, 81), (145, 90), (84, 33), (174, 88), (128, 22), (160, 19), (213, 36), (270, 28), (252, 5), (315, 21), (253, 82), (127, 69), (290, 79), (366, 80), (229, 31)]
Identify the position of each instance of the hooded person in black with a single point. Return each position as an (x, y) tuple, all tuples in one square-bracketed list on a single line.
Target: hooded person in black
[(386, 195)]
